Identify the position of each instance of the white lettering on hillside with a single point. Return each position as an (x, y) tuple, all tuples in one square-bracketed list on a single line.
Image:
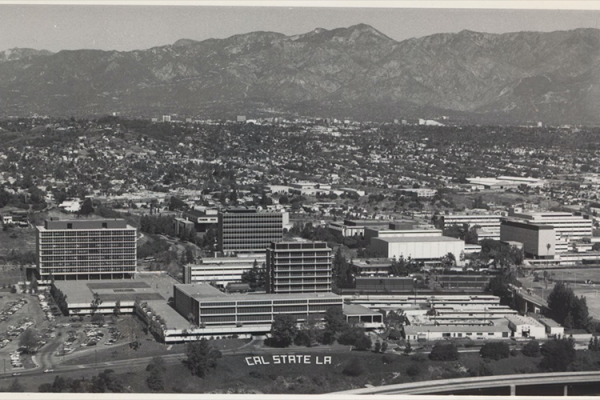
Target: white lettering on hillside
[(288, 359)]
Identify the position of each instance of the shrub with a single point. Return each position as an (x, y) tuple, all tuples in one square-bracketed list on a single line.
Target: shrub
[(388, 359), (363, 343), (413, 370), (354, 367), (350, 336), (495, 350), (444, 352), (532, 349), (418, 358), (514, 353), (395, 334), (482, 369)]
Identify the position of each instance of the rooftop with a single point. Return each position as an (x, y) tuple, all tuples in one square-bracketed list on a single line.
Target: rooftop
[(500, 325), (355, 309), (523, 320), (109, 290), (410, 239)]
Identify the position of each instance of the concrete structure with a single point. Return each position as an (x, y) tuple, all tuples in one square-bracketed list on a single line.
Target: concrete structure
[(299, 267), (361, 316), (203, 219), (465, 282), (81, 293), (355, 227), (421, 192), (538, 240), (385, 284), (497, 330), (248, 230), (566, 225), (86, 249), (428, 250), (387, 232), (183, 226), (490, 223), (553, 328), (221, 270), (523, 326), (210, 308), (371, 266)]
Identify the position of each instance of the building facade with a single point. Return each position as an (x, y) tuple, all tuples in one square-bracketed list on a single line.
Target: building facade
[(247, 310), (489, 223), (567, 226), (248, 230), (86, 249), (299, 267), (221, 270), (539, 241), (428, 250)]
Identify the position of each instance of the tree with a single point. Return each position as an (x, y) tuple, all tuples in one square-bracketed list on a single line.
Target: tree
[(87, 207), (377, 348), (117, 309), (96, 302), (30, 340), (532, 349), (558, 355), (283, 330), (335, 320), (200, 357), (342, 274), (404, 267), (384, 346), (495, 350), (471, 236), (568, 309), (354, 368), (363, 343), (255, 277), (482, 369), (407, 348), (594, 344), (500, 286), (444, 352), (156, 370)]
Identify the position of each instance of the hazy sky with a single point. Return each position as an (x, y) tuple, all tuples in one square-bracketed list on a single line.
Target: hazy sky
[(58, 27)]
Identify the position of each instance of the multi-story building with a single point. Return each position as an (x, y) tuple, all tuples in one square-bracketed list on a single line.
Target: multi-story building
[(203, 219), (299, 267), (208, 307), (247, 230), (86, 249), (489, 223), (566, 225), (221, 270), (539, 241)]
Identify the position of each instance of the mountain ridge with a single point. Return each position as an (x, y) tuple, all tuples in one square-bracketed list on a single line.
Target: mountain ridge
[(350, 72)]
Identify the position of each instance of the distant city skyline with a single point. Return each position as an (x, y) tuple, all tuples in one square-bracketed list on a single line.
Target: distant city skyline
[(128, 27)]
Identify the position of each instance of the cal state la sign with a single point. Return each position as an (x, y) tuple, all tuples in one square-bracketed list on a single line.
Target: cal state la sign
[(288, 359)]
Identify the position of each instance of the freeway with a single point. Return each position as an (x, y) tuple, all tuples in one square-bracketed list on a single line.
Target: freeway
[(459, 384)]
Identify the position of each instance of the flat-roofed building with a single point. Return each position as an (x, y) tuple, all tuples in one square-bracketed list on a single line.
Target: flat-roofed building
[(387, 232), (203, 219), (371, 266), (222, 270), (489, 223), (385, 284), (248, 230), (428, 250), (86, 249), (208, 307), (566, 225), (524, 326), (497, 330), (539, 241), (299, 267), (355, 227)]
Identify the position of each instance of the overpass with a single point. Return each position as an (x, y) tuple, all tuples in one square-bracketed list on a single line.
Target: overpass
[(513, 384)]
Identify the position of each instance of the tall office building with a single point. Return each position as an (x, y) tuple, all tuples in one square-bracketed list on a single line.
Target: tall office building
[(245, 230), (86, 249), (299, 267)]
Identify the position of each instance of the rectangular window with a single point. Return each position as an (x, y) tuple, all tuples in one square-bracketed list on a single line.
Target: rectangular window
[(69, 226)]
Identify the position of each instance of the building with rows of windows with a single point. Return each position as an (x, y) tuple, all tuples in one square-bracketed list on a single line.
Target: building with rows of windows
[(86, 249), (209, 308), (299, 267), (247, 230)]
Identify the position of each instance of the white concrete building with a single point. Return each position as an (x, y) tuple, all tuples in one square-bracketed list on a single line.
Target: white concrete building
[(428, 250), (524, 326)]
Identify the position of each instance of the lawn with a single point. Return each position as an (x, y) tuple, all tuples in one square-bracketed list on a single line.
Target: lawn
[(234, 375)]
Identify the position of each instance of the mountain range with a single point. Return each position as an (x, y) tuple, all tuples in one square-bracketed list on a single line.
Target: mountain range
[(355, 72)]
